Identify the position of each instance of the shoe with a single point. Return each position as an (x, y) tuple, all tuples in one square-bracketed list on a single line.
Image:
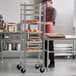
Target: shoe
[(51, 65)]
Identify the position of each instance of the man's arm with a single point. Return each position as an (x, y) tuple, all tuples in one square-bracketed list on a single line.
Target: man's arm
[(53, 15), (47, 23)]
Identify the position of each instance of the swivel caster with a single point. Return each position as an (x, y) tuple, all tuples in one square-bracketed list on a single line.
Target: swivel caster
[(73, 57), (23, 70), (18, 66), (67, 57), (42, 69), (37, 66)]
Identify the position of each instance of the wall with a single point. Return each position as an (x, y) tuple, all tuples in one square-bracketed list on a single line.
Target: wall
[(10, 9), (37, 1), (64, 15), (74, 17), (64, 20)]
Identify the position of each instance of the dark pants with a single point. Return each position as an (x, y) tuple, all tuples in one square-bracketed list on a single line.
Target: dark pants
[(51, 55)]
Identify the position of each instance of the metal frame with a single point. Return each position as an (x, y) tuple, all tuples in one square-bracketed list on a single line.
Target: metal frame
[(1, 45), (72, 37), (10, 37), (23, 16)]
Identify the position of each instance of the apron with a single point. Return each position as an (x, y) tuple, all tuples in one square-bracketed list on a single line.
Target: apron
[(49, 28)]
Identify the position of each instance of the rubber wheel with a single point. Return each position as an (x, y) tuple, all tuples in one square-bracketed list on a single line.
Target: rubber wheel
[(73, 57), (67, 57), (18, 66), (23, 70), (42, 69), (36, 66)]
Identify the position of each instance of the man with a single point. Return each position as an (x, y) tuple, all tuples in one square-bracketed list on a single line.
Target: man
[(49, 28)]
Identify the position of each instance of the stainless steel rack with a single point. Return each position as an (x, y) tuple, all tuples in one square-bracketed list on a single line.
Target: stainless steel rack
[(10, 38), (33, 13)]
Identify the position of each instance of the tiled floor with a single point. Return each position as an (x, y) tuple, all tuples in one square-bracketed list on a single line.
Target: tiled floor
[(63, 67)]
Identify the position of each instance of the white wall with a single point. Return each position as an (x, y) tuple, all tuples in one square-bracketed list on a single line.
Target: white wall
[(64, 21), (10, 9), (74, 19)]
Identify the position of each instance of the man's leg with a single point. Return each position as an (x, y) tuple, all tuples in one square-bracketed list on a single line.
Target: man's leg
[(51, 55), (45, 60)]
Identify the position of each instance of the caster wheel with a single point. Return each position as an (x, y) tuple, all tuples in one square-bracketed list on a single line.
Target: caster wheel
[(37, 66), (73, 57), (18, 66), (68, 57), (23, 70), (42, 69)]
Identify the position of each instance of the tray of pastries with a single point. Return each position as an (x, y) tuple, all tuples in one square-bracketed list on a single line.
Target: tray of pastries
[(55, 35), (32, 49)]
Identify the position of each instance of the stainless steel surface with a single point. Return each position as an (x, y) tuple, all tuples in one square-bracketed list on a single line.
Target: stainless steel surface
[(24, 15), (67, 37), (10, 37)]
